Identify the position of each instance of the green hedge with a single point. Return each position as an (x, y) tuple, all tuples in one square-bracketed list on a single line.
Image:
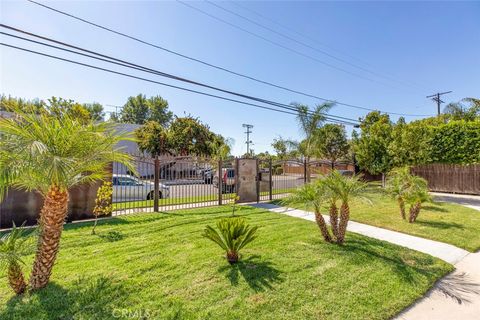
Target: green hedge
[(455, 142)]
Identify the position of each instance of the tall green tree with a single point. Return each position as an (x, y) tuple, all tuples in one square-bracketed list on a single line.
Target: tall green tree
[(139, 110), (190, 136), (371, 147), (50, 155), (154, 139), (467, 109), (95, 110), (332, 142)]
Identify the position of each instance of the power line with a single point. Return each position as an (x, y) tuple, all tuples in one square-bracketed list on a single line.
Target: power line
[(436, 97), (160, 83), (216, 66), (305, 44), (142, 68), (312, 39), (276, 43)]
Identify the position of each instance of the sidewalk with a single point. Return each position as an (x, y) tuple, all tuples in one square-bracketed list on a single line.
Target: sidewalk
[(456, 296)]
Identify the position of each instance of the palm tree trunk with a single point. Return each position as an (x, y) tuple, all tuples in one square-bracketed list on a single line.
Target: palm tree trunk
[(342, 225), (334, 220), (16, 278), (401, 204), (232, 257), (323, 226), (52, 217), (414, 211)]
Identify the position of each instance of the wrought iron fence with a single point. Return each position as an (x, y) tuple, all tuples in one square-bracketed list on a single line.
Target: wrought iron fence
[(168, 183)]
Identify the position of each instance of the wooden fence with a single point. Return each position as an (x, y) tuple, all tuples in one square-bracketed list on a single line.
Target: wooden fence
[(451, 177)]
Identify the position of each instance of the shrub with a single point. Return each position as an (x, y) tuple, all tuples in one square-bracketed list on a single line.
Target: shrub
[(103, 202), (13, 246), (233, 234)]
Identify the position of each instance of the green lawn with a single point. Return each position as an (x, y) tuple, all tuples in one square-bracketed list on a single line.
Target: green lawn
[(159, 266), (445, 222)]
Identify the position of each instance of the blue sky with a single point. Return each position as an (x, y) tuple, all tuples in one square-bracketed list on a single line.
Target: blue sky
[(418, 48)]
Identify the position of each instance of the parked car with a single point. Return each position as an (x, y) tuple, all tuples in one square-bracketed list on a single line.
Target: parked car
[(127, 187), (207, 175), (228, 180)]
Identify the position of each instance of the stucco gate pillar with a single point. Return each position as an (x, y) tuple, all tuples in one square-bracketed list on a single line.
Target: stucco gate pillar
[(246, 184)]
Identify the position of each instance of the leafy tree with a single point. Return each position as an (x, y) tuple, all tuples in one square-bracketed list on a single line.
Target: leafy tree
[(332, 142), (233, 234), (154, 139), (11, 103), (50, 155), (371, 147), (460, 111), (139, 110), (280, 147), (95, 110), (60, 108), (191, 137), (221, 147)]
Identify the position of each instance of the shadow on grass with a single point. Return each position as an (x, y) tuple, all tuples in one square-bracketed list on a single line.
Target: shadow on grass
[(259, 275), (371, 250), (112, 236), (89, 298), (439, 224), (436, 207)]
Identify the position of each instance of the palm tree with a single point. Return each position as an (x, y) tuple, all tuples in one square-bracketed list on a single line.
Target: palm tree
[(233, 234), (13, 246), (312, 196), (50, 155), (346, 189), (398, 185), (310, 122), (417, 195)]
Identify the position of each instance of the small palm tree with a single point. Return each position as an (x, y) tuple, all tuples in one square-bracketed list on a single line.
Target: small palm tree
[(13, 246), (398, 185), (346, 189), (50, 155), (312, 196), (416, 197), (233, 234)]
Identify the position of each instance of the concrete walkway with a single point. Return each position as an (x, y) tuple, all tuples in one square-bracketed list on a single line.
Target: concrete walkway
[(456, 296), (462, 199), (446, 252)]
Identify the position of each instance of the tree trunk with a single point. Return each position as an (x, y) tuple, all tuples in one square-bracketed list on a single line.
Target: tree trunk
[(232, 257), (414, 211), (16, 278), (383, 180), (323, 226), (401, 204), (334, 220), (342, 225), (52, 217)]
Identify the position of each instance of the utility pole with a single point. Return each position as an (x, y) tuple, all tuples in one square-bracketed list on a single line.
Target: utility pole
[(436, 97), (248, 142)]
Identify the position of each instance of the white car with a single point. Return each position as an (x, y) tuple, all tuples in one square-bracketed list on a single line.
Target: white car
[(127, 187)]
